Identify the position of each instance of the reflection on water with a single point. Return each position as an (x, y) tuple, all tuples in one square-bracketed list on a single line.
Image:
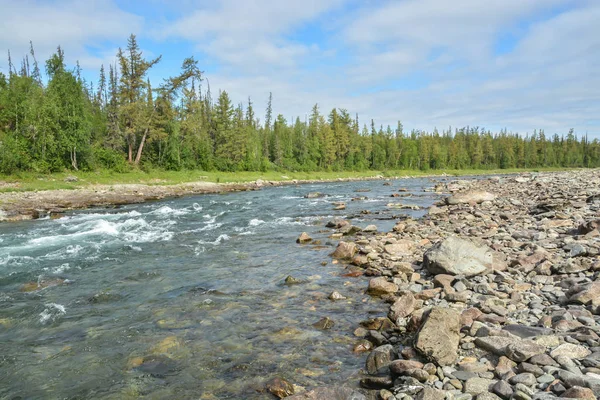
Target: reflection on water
[(185, 298)]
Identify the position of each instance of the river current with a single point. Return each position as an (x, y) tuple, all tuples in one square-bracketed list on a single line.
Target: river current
[(185, 298)]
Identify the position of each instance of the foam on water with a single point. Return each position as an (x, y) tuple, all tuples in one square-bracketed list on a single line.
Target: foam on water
[(166, 211), (51, 312), (60, 269), (197, 207), (223, 237), (255, 222)]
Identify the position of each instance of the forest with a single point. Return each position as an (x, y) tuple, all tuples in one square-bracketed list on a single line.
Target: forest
[(61, 121)]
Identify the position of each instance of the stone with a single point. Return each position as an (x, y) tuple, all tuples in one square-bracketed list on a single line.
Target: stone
[(526, 378), (572, 351), (503, 389), (330, 393), (335, 295), (523, 350), (474, 196), (345, 251), (487, 396), (456, 256), (279, 387), (314, 195), (585, 294), (303, 238), (380, 286), (380, 357), (290, 280), (428, 393), (370, 228), (475, 386), (578, 392), (439, 336), (377, 382), (337, 223), (399, 367), (324, 323), (402, 307), (402, 247)]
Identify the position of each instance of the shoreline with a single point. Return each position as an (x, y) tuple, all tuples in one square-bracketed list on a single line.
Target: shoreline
[(33, 204), (525, 325)]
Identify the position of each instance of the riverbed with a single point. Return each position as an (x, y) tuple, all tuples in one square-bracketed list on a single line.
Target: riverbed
[(186, 298)]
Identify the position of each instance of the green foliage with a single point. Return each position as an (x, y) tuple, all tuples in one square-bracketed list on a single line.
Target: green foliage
[(125, 125)]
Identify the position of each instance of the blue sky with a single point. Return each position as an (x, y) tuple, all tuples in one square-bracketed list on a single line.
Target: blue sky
[(515, 64)]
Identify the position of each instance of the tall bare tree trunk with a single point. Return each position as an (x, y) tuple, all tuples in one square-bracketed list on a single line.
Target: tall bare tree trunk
[(139, 152)]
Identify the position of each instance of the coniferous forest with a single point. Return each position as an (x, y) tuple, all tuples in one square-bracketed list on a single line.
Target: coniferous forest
[(60, 121)]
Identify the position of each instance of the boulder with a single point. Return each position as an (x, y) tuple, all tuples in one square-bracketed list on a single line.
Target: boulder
[(380, 357), (402, 307), (402, 247), (474, 196), (456, 256), (571, 351), (439, 336), (303, 238), (380, 286), (344, 250), (431, 394), (585, 294)]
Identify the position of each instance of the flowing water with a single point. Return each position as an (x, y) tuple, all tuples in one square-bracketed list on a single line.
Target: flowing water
[(185, 298)]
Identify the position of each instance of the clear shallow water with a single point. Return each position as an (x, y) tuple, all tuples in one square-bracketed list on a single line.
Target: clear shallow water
[(185, 298)]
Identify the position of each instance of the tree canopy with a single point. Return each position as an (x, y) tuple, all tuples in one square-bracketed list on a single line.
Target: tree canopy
[(121, 121)]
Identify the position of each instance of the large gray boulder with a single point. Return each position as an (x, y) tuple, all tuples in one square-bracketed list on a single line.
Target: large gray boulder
[(474, 196), (456, 256), (439, 336)]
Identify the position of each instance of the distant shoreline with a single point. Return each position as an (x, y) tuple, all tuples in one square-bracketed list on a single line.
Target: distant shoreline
[(20, 203)]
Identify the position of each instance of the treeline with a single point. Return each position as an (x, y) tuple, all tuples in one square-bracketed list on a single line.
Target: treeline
[(121, 121)]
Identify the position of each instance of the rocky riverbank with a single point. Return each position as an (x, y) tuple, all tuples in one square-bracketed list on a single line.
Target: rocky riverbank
[(494, 294)]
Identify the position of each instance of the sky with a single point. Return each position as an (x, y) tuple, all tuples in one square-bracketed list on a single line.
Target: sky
[(515, 64)]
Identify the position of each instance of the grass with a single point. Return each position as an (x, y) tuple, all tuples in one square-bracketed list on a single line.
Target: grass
[(30, 181)]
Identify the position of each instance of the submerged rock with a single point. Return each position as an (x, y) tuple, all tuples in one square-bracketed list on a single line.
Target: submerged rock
[(329, 393), (324, 323), (279, 387)]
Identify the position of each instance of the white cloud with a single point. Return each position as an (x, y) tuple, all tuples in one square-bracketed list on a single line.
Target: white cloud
[(75, 25)]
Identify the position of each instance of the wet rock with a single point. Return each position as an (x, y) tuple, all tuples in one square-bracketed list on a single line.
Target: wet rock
[(41, 284), (279, 387), (335, 295), (456, 256), (104, 297), (158, 366), (324, 323), (337, 223), (290, 280), (380, 286), (362, 346), (345, 251), (470, 197), (439, 337), (303, 238), (381, 357), (314, 195), (377, 382)]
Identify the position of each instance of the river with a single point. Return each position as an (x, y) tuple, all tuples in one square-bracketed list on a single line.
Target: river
[(185, 298)]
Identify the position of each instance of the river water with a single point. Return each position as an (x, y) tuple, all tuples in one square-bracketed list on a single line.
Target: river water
[(185, 298)]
